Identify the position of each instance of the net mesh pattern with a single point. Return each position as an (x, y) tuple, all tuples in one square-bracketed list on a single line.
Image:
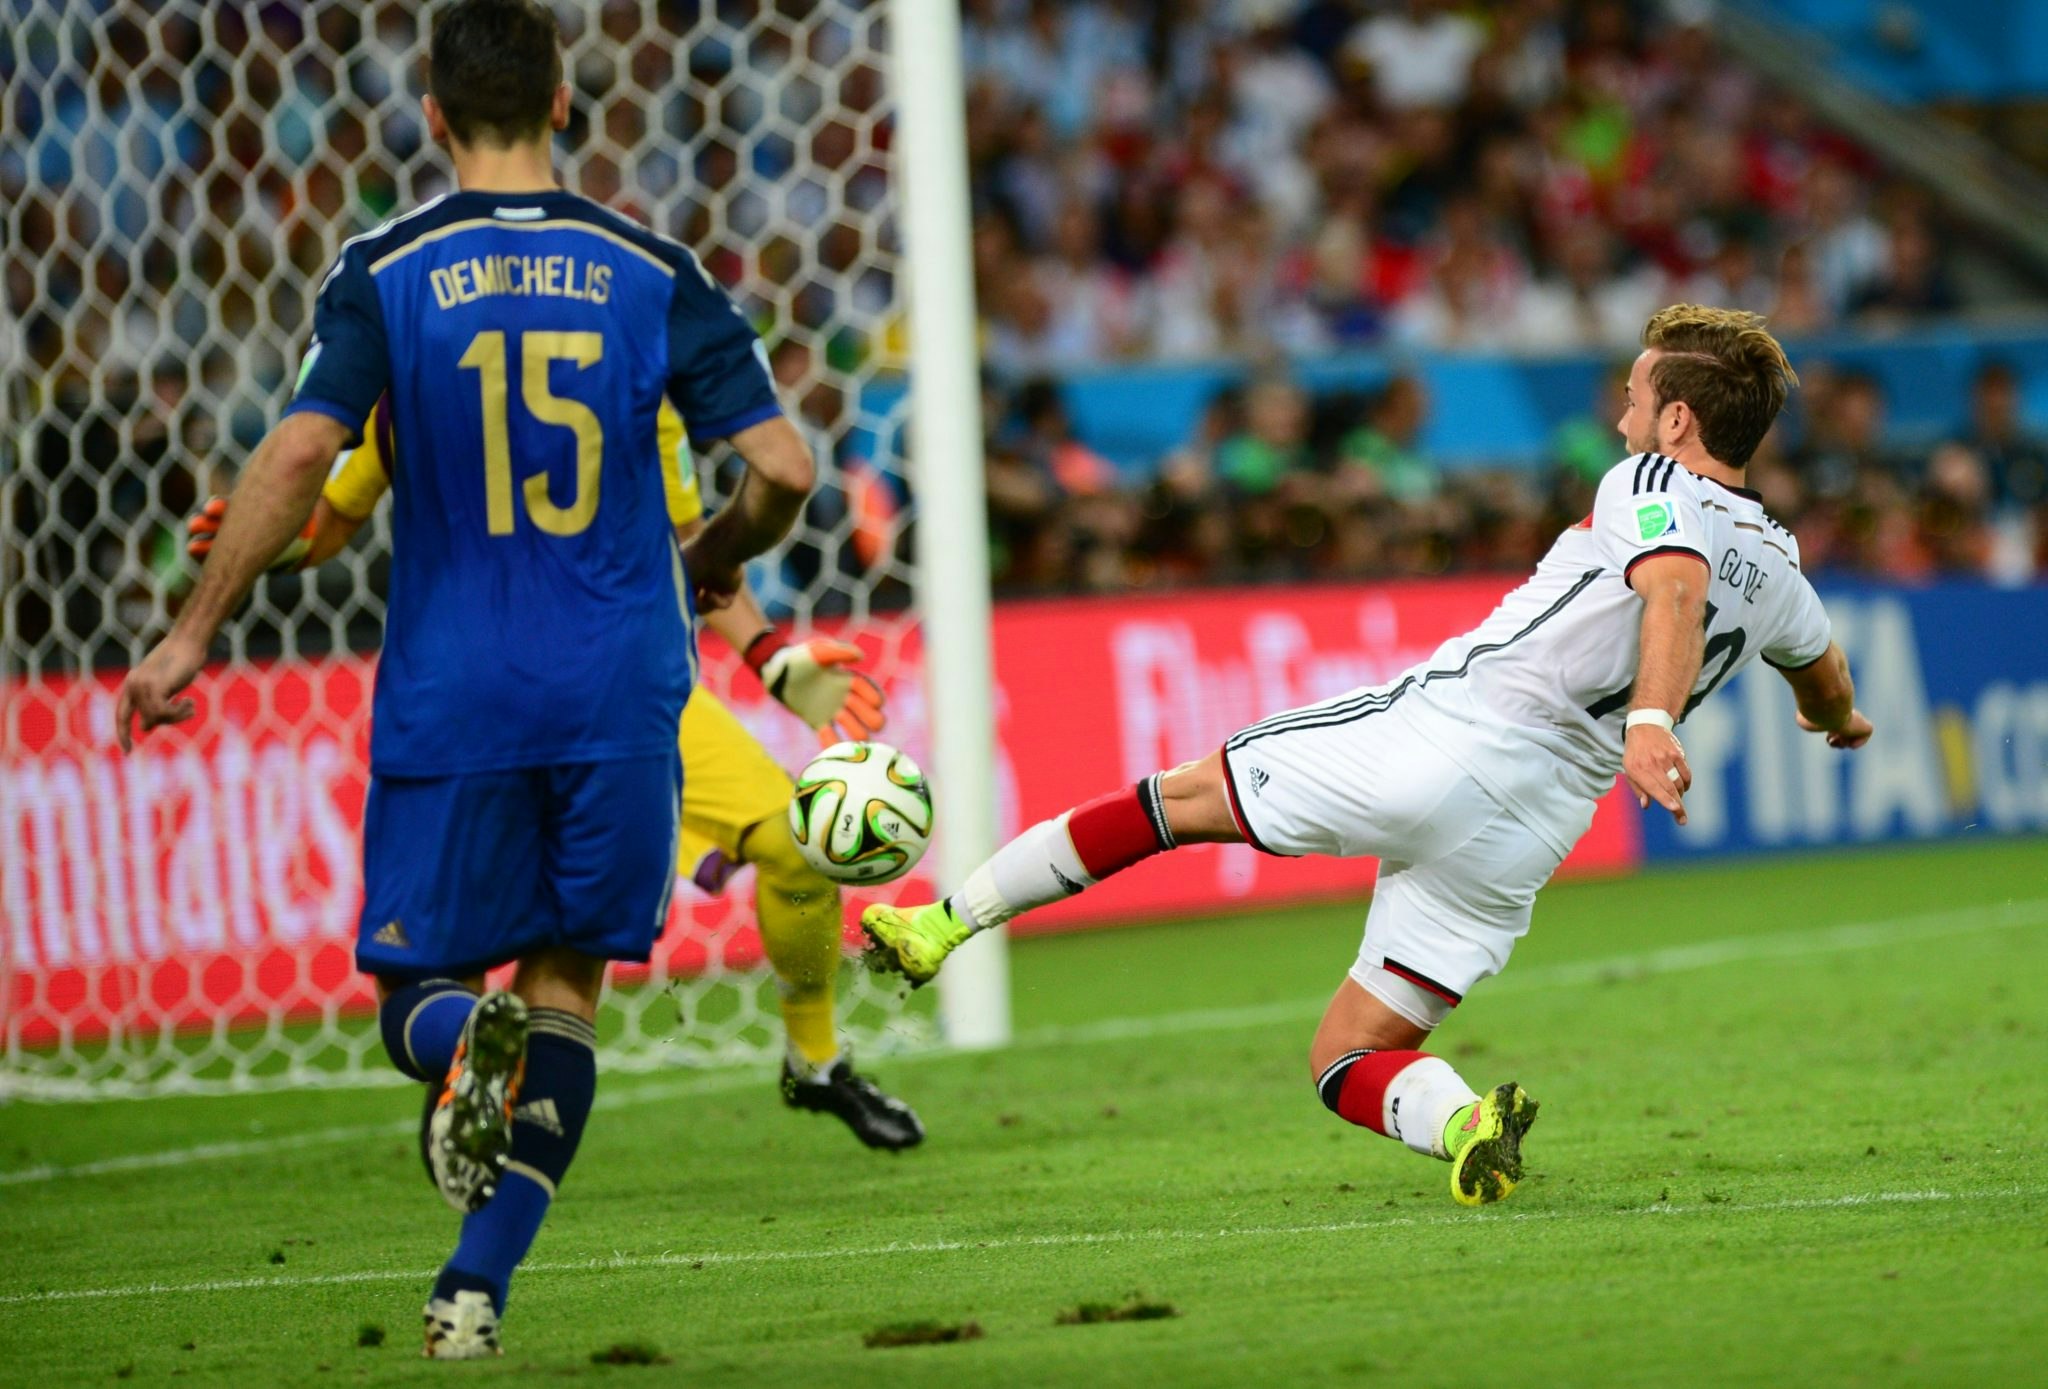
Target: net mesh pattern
[(175, 179)]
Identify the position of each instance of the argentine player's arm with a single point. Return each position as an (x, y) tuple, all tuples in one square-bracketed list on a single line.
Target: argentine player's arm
[(719, 380), (771, 495), (345, 371), (815, 679), (272, 500)]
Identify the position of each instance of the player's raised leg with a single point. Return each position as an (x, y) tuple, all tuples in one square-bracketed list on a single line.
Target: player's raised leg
[(1347, 777), (1056, 859), (554, 995)]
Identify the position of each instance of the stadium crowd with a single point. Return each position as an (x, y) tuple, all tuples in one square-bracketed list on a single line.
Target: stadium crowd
[(1264, 180), (1275, 484), (1259, 176), (1274, 179)]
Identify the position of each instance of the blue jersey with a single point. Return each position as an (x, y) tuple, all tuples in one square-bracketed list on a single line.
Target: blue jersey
[(538, 612)]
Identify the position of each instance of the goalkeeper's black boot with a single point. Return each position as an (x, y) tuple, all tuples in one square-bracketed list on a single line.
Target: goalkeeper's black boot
[(877, 1119)]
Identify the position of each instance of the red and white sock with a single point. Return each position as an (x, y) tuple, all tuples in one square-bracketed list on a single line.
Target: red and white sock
[(1058, 858), (1409, 1095)]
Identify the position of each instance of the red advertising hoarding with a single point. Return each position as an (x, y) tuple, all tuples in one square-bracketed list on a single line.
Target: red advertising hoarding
[(216, 872)]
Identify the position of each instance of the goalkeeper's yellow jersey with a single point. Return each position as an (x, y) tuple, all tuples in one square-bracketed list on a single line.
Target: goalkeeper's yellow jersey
[(363, 474)]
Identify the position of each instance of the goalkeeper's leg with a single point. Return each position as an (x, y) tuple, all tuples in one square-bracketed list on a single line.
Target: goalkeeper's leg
[(798, 911), (1058, 858)]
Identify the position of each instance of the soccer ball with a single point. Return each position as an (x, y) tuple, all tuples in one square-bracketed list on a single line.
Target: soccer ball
[(861, 813)]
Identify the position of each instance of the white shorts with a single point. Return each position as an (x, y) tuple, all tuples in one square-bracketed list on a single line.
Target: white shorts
[(1364, 775)]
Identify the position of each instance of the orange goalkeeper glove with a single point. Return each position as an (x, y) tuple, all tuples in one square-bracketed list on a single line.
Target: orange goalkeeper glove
[(206, 526), (812, 680)]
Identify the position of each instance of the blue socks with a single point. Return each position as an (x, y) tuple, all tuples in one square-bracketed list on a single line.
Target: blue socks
[(421, 1024), (547, 1123)]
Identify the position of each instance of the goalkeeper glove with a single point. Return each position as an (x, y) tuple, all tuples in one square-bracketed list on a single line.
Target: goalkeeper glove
[(206, 526), (812, 681)]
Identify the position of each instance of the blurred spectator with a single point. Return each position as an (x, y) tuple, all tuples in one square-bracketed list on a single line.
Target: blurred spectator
[(1845, 445), (1590, 302), (1047, 442), (1388, 445), (1955, 511), (1849, 250), (1912, 282), (1208, 296), (1091, 309), (1801, 308), (1734, 279), (2017, 459), (1190, 470), (1277, 93), (1273, 443), (1586, 446), (1419, 53)]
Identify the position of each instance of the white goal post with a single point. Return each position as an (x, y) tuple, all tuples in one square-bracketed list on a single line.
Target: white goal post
[(946, 458), (174, 179)]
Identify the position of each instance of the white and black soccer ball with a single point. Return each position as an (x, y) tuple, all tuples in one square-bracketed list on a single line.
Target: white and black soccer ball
[(861, 813)]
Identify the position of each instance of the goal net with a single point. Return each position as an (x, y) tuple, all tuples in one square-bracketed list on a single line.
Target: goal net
[(175, 178)]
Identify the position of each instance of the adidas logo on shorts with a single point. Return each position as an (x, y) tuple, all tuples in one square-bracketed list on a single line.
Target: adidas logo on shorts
[(393, 935), (1258, 777)]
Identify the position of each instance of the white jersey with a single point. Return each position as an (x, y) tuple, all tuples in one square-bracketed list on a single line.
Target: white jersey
[(1551, 670)]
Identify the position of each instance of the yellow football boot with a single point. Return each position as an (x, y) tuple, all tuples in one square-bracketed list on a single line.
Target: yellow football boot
[(1487, 1165)]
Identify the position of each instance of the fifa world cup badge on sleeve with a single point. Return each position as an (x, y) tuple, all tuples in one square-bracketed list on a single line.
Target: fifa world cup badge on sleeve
[(1654, 519)]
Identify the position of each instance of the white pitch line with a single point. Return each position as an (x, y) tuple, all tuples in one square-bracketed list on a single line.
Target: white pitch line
[(1823, 940), (1066, 1240), (357, 1133)]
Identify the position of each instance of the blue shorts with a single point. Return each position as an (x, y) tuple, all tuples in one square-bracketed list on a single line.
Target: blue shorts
[(461, 873)]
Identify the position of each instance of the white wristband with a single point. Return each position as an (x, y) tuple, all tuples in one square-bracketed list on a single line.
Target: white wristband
[(1653, 716)]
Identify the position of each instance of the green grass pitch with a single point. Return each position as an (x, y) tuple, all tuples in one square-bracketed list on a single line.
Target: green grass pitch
[(1793, 1132)]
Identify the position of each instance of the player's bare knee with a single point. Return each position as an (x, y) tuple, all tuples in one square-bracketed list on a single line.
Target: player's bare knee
[(1197, 804), (1360, 1018), (561, 978)]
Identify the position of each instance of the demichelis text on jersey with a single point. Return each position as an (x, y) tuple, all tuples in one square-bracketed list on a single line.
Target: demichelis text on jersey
[(564, 277)]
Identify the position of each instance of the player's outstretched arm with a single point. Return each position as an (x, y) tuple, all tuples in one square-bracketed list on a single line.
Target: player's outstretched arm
[(1673, 588), (1826, 696), (814, 679), (271, 504), (771, 495)]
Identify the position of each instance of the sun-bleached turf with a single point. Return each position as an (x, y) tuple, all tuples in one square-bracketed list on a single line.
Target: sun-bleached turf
[(1792, 1129)]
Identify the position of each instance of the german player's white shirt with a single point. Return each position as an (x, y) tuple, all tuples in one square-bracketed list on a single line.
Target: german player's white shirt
[(1551, 670)]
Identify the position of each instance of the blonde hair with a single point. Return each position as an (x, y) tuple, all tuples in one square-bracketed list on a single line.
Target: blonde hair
[(1727, 368)]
